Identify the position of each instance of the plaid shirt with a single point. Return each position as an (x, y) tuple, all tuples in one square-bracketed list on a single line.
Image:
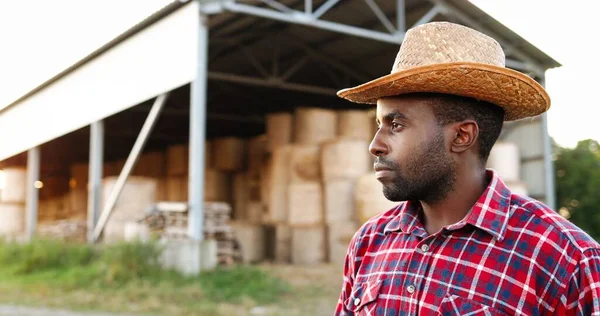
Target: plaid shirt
[(510, 255)]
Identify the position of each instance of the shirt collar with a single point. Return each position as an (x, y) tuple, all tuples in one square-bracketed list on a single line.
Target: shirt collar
[(490, 213)]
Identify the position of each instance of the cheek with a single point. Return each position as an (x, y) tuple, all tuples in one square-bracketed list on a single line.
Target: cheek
[(403, 147)]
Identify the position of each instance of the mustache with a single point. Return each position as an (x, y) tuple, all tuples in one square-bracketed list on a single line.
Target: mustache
[(385, 163)]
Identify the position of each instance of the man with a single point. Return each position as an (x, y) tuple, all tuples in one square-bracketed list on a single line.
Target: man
[(459, 243)]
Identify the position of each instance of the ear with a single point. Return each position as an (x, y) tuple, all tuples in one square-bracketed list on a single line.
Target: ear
[(465, 135)]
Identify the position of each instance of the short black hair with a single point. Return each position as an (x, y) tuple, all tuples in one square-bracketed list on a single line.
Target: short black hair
[(488, 116)]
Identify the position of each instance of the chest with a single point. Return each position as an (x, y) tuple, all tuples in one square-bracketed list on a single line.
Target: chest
[(461, 273)]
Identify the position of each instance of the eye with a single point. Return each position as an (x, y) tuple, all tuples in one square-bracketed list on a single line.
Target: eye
[(396, 126)]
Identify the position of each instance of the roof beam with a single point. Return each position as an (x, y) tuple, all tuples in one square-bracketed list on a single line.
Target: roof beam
[(297, 17)]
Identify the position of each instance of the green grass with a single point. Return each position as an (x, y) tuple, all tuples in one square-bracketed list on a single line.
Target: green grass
[(126, 278)]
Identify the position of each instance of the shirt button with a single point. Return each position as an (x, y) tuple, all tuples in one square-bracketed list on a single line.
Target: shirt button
[(356, 301), (425, 247), (411, 289)]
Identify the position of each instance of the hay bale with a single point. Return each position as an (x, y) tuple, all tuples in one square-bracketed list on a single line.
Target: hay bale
[(80, 174), (277, 185), (177, 160), (283, 243), (257, 150), (339, 201), (241, 195), (54, 186), (308, 245), (279, 130), (150, 164), (217, 186), (305, 204), (78, 200), (370, 200), (345, 159), (12, 219), (314, 126), (304, 163), (254, 212), (176, 188), (251, 239), (339, 236), (138, 195), (355, 124), (231, 152), (14, 189)]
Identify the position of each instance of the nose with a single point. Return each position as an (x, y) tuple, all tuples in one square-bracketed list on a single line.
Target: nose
[(378, 147)]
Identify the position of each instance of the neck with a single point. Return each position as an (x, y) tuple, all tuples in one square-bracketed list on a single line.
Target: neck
[(467, 189)]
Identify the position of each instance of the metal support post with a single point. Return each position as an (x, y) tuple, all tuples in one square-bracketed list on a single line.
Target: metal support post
[(400, 16), (548, 160), (427, 17), (308, 6), (130, 163), (324, 8), (198, 135), (95, 176), (33, 176)]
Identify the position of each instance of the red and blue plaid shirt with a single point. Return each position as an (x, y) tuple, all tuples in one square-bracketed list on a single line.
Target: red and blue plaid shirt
[(510, 255)]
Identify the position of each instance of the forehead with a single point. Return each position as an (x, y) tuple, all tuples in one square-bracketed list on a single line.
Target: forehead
[(411, 107)]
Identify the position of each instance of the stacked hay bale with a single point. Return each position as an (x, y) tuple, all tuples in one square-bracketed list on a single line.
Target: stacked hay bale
[(300, 183), (506, 160), (344, 161), (273, 183), (369, 198), (153, 165), (233, 178), (78, 194), (176, 181), (12, 202), (137, 197)]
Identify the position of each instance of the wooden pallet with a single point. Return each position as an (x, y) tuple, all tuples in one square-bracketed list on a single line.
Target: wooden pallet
[(173, 226)]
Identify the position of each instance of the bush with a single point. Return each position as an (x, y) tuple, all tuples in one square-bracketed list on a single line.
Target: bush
[(129, 266), (124, 262), (42, 255)]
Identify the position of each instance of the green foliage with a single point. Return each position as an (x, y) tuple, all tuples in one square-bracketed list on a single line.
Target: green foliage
[(122, 263), (43, 255), (132, 270), (578, 185), (242, 281)]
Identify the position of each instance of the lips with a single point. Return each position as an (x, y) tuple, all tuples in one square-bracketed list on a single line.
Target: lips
[(381, 167), (382, 171)]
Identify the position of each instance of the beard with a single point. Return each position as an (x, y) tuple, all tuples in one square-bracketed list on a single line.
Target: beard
[(428, 175)]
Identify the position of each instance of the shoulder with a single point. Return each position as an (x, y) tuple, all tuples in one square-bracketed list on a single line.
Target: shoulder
[(546, 225)]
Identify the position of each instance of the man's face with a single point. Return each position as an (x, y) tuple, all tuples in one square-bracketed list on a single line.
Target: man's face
[(413, 160)]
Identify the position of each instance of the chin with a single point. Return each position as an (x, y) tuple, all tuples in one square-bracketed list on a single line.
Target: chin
[(393, 196)]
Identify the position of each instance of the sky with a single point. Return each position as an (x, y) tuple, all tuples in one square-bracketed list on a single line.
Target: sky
[(47, 36), (568, 32)]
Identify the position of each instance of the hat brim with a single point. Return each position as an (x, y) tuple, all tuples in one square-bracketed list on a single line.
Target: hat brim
[(518, 94)]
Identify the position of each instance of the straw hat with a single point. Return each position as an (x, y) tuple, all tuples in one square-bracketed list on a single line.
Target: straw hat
[(449, 58)]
